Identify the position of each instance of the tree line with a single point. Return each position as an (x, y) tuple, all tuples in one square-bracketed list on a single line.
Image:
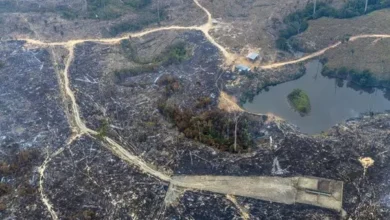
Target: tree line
[(365, 78)]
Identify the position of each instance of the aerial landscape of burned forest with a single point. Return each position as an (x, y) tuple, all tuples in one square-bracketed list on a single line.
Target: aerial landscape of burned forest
[(195, 109)]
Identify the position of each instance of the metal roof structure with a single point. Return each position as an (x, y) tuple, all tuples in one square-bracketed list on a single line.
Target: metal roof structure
[(253, 56), (241, 67)]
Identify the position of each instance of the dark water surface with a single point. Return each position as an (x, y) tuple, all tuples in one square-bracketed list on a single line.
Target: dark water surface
[(331, 101)]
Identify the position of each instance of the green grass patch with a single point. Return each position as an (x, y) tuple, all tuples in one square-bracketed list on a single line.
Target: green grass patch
[(300, 101), (174, 54), (102, 130)]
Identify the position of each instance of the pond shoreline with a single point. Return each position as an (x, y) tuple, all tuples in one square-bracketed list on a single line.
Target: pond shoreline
[(332, 102)]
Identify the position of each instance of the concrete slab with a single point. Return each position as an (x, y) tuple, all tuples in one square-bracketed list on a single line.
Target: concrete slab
[(307, 190)]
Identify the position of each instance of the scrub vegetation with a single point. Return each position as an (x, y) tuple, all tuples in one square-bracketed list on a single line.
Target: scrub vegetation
[(300, 101), (103, 129), (214, 128)]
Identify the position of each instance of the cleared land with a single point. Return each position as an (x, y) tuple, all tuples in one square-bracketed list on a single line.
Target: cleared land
[(325, 31), (363, 54), (68, 85), (247, 26), (64, 20), (360, 54)]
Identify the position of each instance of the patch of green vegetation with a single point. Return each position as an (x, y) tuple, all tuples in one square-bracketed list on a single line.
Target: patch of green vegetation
[(150, 124), (364, 79), (174, 54), (214, 128), (102, 130), (297, 22), (300, 101)]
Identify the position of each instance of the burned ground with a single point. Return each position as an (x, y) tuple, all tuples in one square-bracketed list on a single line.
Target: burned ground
[(333, 155), (131, 106), (107, 188), (119, 89), (32, 122), (31, 111)]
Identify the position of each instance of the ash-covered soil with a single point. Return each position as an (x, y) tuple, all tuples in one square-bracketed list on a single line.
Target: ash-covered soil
[(131, 110), (86, 181), (120, 90), (32, 123), (131, 107), (30, 104)]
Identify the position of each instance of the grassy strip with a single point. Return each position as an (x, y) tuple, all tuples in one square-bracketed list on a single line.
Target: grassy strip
[(299, 100)]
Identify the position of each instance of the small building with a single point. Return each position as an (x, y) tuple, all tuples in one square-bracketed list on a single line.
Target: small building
[(252, 56), (242, 68)]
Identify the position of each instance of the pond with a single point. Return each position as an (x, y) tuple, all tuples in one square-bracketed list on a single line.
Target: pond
[(331, 101)]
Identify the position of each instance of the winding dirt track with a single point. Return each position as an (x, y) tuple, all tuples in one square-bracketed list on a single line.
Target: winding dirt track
[(79, 126), (308, 57)]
